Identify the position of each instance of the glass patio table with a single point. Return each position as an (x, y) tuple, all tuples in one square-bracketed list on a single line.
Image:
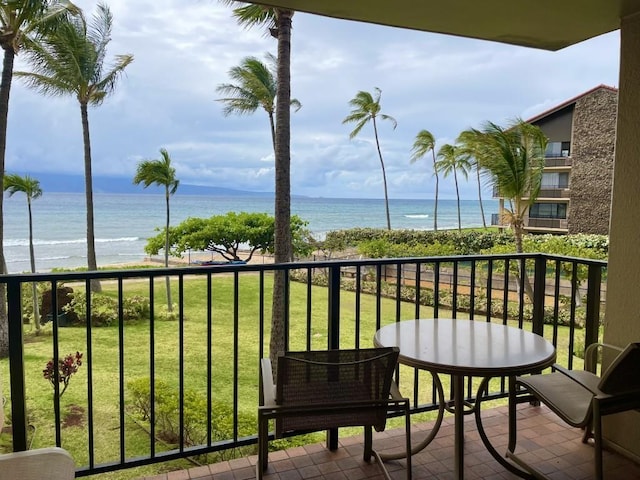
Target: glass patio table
[(465, 348)]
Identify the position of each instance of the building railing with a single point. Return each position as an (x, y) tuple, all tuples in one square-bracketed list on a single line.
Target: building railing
[(549, 191), (557, 223), (214, 349), (559, 161)]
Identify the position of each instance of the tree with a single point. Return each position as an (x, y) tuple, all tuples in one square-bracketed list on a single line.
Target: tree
[(226, 234), (471, 143), (423, 143), (70, 61), (14, 183), (367, 108), (452, 159), (160, 172), (256, 86), (278, 22), (20, 21), (512, 159)]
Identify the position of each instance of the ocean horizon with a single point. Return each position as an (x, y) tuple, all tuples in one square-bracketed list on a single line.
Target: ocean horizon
[(124, 222)]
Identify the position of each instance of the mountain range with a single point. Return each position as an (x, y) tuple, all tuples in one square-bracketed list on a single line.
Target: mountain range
[(61, 183)]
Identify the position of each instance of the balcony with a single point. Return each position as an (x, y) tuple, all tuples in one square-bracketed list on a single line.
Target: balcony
[(561, 161), (554, 191), (547, 223), (222, 329), (552, 446)]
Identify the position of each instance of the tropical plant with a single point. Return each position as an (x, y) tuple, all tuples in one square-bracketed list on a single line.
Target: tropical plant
[(14, 183), (160, 172), (422, 144), (365, 108), (278, 23), (471, 143), (512, 159), (452, 159), (70, 61), (20, 21), (255, 87)]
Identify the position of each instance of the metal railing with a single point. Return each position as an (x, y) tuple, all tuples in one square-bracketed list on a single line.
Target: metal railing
[(221, 330)]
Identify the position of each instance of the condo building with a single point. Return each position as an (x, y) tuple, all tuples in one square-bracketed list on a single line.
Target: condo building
[(575, 194)]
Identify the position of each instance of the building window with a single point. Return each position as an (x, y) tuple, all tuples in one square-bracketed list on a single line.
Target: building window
[(555, 180), (548, 210), (558, 149)]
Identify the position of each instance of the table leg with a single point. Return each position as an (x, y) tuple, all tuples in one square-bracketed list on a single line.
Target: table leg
[(458, 405)]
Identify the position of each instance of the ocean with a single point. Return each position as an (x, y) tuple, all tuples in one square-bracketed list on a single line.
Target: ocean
[(123, 222)]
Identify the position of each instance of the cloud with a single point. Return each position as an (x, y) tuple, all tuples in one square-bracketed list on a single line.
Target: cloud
[(182, 51)]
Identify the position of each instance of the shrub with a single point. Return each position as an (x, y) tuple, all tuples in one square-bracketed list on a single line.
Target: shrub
[(104, 308), (194, 430)]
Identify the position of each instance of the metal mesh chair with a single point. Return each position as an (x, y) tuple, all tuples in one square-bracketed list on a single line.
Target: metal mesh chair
[(319, 390), (581, 398)]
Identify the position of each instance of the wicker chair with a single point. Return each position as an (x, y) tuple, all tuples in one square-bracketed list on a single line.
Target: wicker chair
[(319, 390), (581, 398), (40, 464)]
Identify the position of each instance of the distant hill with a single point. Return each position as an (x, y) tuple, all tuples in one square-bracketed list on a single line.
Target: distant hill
[(75, 184)]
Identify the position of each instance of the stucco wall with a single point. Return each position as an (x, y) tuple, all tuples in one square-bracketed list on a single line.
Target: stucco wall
[(592, 152)]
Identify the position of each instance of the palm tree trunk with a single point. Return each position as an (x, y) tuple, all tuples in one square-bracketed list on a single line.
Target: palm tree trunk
[(455, 179), (282, 237), (522, 272), (5, 89), (435, 208), (166, 254), (484, 222), (384, 174), (32, 259), (272, 124), (88, 187)]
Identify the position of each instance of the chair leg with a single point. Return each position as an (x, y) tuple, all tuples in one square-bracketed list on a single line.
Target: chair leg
[(407, 416), (597, 440), (368, 443), (263, 446)]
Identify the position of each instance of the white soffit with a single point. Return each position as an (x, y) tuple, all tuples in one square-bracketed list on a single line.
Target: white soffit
[(545, 24)]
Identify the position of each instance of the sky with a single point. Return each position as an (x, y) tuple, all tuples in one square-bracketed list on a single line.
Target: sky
[(183, 49)]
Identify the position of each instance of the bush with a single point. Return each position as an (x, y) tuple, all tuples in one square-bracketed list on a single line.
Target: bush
[(167, 414), (104, 308)]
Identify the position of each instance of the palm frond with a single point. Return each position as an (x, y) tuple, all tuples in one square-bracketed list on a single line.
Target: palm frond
[(422, 144)]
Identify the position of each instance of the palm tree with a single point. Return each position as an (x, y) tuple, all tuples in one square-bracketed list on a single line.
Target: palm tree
[(367, 108), (20, 21), (423, 143), (278, 23), (513, 162), (160, 172), (14, 183), (452, 159), (471, 143), (70, 61), (256, 85)]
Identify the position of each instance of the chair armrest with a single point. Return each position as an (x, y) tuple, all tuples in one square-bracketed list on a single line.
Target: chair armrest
[(591, 354), (268, 387), (394, 392), (43, 463)]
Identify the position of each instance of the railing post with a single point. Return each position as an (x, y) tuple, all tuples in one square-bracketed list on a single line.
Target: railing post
[(539, 287), (333, 334), (592, 315), (16, 367)]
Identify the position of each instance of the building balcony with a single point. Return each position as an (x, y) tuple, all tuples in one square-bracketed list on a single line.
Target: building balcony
[(547, 223), (557, 161), (209, 349), (549, 191)]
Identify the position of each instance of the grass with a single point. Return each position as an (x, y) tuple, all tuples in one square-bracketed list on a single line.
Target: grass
[(235, 351)]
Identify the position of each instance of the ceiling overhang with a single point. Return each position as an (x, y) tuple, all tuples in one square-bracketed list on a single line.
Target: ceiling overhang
[(545, 24)]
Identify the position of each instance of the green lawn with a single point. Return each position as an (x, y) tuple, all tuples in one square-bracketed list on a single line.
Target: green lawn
[(233, 350)]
